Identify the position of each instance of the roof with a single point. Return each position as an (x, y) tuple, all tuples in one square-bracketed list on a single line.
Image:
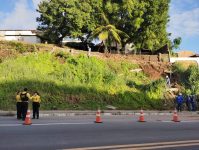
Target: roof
[(195, 55), (162, 50), (185, 53)]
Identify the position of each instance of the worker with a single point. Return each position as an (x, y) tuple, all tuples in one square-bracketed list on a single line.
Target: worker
[(193, 102), (188, 102), (179, 101), (36, 104), (18, 105), (168, 82), (25, 97)]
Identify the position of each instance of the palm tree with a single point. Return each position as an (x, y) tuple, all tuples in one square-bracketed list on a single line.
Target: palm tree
[(108, 33)]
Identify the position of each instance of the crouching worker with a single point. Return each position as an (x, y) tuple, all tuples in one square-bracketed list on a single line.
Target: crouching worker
[(25, 97), (18, 105), (36, 104)]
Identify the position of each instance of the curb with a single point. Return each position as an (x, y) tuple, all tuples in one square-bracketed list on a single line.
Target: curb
[(104, 113)]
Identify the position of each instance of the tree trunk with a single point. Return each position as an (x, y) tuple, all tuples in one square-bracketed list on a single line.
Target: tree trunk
[(105, 47), (117, 47)]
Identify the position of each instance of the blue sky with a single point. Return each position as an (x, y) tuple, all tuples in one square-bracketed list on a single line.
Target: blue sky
[(184, 19)]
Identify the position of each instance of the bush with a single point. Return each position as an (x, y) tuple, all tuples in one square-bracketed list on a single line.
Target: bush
[(77, 83), (188, 77)]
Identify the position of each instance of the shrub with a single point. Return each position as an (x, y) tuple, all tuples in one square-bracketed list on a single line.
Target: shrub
[(77, 83)]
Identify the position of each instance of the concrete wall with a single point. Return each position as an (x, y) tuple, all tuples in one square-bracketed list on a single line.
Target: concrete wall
[(29, 39), (20, 35), (160, 57), (175, 59)]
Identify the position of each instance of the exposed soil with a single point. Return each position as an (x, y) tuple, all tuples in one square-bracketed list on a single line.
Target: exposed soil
[(154, 69), (5, 53)]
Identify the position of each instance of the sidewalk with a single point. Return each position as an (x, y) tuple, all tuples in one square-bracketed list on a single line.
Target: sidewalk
[(63, 113)]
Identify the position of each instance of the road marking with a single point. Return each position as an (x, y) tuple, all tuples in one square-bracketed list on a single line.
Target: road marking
[(163, 146), (191, 121), (44, 124), (180, 121), (9, 125), (48, 124), (146, 146)]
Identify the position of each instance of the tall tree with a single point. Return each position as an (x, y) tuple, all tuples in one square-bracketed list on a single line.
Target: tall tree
[(145, 21), (152, 33), (73, 18)]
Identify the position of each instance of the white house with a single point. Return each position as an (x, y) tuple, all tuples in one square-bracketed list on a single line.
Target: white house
[(29, 36)]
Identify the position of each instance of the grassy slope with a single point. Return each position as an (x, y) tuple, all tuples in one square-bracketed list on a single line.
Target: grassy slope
[(77, 82)]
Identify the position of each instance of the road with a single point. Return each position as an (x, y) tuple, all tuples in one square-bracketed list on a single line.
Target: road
[(117, 132)]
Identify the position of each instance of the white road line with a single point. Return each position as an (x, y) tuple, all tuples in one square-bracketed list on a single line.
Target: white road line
[(48, 124), (191, 121), (165, 121), (44, 124), (160, 147), (144, 146), (9, 125), (180, 121)]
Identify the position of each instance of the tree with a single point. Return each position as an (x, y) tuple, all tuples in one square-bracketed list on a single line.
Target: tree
[(145, 21), (53, 21), (193, 78), (108, 33), (73, 18), (176, 42), (152, 33), (120, 14)]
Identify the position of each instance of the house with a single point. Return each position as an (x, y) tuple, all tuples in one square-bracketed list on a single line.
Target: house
[(29, 36), (187, 56)]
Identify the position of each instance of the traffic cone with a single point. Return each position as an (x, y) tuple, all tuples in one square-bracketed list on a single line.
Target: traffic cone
[(141, 118), (175, 116), (27, 120), (98, 117)]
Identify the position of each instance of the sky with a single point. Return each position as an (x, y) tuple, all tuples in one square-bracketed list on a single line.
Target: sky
[(184, 19)]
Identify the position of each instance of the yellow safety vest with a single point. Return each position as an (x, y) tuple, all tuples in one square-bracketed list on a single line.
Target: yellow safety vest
[(36, 98), (18, 98)]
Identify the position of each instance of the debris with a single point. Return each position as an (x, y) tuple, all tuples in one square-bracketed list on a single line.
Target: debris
[(111, 107)]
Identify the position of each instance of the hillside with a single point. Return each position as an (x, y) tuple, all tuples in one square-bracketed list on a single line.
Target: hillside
[(69, 79)]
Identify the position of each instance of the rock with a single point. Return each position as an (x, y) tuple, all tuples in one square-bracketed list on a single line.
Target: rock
[(111, 107), (136, 70)]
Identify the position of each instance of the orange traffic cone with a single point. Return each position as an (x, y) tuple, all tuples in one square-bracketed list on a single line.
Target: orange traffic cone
[(98, 117), (141, 118), (175, 116), (27, 120)]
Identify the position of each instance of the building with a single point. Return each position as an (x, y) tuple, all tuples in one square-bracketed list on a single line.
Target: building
[(29, 36), (68, 40)]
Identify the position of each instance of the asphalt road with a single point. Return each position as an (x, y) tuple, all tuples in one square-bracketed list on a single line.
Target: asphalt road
[(80, 132)]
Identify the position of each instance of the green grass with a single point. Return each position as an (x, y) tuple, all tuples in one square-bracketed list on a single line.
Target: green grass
[(188, 78), (77, 82)]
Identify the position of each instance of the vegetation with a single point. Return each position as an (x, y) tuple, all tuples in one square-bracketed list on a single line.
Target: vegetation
[(188, 77), (144, 21), (176, 43), (68, 81)]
